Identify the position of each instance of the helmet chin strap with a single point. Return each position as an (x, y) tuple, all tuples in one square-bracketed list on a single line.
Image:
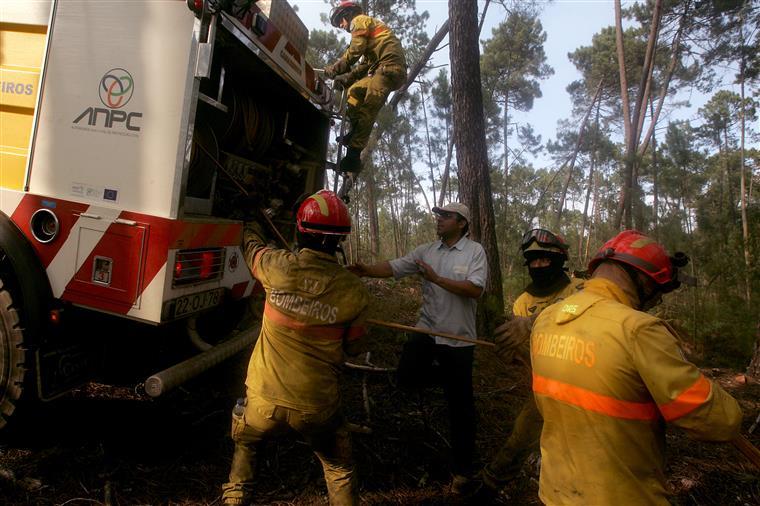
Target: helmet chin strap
[(342, 252), (644, 298)]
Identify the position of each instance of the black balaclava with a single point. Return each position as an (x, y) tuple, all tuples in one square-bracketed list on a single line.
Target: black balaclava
[(549, 279)]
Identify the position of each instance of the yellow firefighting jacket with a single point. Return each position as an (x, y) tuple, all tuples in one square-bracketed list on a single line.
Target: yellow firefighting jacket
[(314, 312), (516, 344), (606, 379), (528, 305), (372, 39)]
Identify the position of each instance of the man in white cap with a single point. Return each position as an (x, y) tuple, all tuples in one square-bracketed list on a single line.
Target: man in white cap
[(455, 270)]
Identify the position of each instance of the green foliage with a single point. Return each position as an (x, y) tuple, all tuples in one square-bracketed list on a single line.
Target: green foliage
[(324, 48), (514, 60), (692, 167)]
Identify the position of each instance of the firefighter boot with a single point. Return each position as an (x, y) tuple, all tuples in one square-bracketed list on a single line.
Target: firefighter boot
[(352, 162)]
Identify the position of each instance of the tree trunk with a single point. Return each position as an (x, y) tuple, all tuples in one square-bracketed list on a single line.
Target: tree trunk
[(754, 365), (675, 51), (743, 184), (415, 71), (446, 170), (574, 156), (506, 147), (655, 192), (632, 119), (429, 146), (625, 194), (470, 139), (374, 228), (589, 187)]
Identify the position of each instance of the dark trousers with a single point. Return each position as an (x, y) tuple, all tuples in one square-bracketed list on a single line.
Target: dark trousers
[(454, 374)]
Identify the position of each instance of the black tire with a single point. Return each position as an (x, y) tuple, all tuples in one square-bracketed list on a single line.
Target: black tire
[(12, 356)]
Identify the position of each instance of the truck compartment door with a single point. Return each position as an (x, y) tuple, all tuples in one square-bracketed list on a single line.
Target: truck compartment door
[(109, 273)]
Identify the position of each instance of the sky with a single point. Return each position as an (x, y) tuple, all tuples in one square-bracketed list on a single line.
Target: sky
[(568, 24)]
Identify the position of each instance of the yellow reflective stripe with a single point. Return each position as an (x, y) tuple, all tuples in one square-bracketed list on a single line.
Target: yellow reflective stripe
[(689, 400), (592, 401), (322, 203)]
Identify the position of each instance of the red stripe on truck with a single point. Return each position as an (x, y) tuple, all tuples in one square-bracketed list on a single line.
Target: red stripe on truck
[(66, 212)]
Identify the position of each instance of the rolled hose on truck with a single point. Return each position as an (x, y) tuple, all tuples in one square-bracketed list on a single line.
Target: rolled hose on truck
[(166, 380)]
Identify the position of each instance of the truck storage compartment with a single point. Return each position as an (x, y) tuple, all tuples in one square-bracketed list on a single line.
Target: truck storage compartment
[(257, 142)]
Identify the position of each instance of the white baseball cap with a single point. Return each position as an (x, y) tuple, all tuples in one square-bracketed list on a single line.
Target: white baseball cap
[(454, 207)]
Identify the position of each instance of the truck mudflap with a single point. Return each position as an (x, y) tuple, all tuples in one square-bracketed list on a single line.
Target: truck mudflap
[(60, 370)]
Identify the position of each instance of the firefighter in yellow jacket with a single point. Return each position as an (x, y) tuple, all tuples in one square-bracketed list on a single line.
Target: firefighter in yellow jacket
[(545, 256), (607, 377), (313, 315), (382, 71)]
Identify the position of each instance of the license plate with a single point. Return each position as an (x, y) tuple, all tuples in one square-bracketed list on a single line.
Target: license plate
[(197, 302)]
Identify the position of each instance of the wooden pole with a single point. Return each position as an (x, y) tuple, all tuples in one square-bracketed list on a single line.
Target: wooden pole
[(748, 450), (430, 332)]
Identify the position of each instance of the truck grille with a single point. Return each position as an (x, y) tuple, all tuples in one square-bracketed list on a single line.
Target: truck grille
[(198, 266)]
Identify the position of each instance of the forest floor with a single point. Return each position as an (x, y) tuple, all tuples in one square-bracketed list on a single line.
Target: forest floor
[(106, 444)]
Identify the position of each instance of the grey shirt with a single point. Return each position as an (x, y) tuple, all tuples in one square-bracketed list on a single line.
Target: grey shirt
[(442, 310)]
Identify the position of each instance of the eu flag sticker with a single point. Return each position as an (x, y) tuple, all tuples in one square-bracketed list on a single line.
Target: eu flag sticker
[(110, 194)]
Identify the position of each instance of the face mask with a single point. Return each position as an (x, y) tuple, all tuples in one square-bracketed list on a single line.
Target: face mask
[(545, 276)]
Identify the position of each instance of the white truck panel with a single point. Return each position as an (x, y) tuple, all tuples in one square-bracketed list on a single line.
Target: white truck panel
[(25, 12), (113, 120)]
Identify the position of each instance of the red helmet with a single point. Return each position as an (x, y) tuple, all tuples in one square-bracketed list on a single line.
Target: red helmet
[(324, 213), (643, 254), (344, 9)]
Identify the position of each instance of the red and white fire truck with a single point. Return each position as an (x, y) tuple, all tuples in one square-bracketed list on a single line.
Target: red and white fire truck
[(135, 138)]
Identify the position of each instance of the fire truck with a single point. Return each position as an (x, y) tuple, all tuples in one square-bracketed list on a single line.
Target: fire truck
[(135, 139)]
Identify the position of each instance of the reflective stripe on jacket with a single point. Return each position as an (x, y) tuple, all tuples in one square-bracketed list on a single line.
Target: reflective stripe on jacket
[(314, 312), (372, 39), (606, 378)]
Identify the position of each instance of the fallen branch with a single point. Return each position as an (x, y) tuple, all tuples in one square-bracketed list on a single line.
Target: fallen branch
[(368, 368), (754, 424), (748, 450), (429, 332)]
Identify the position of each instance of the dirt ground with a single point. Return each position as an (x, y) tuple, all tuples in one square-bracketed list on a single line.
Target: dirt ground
[(108, 444)]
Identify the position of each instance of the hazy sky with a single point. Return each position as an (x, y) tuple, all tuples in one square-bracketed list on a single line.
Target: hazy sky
[(569, 24)]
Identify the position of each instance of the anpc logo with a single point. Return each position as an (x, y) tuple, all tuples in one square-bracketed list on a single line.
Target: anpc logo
[(115, 91), (116, 88)]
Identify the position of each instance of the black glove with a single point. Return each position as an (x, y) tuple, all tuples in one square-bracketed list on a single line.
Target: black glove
[(339, 67), (345, 80), (330, 71), (512, 337)]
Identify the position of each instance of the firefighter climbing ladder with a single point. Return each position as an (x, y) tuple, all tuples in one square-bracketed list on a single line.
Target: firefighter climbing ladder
[(339, 114), (348, 178)]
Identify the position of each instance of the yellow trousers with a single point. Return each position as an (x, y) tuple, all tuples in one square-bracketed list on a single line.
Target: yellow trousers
[(365, 99), (324, 432)]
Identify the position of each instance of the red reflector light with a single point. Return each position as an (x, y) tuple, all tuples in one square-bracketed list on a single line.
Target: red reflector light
[(207, 264), (55, 316), (197, 265), (195, 5)]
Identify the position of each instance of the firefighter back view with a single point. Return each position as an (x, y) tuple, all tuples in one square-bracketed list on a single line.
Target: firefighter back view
[(545, 256), (313, 315), (607, 377), (382, 70)]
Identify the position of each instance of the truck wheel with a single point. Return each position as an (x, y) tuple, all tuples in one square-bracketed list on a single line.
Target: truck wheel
[(12, 356)]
